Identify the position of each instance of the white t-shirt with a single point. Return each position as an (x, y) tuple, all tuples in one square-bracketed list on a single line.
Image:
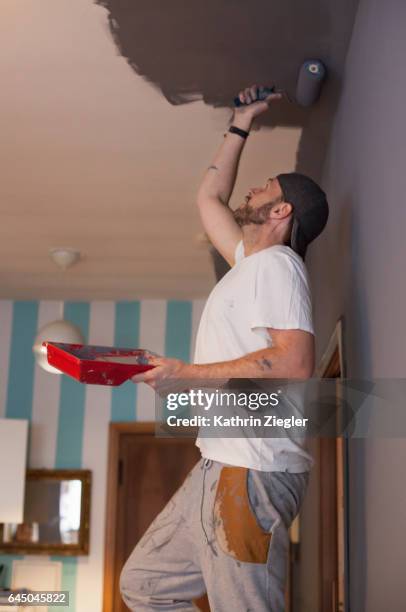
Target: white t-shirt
[(269, 288)]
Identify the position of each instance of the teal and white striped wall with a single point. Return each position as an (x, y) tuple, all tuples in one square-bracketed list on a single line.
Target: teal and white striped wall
[(69, 421)]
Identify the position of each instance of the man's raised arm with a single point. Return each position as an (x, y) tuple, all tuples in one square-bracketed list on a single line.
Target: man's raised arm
[(218, 183)]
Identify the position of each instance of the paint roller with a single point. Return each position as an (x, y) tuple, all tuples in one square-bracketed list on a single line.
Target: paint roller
[(309, 82)]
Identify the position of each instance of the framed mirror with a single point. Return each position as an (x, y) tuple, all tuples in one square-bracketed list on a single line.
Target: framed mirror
[(56, 515)]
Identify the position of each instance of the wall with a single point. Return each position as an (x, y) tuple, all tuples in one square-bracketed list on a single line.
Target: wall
[(69, 421), (357, 268)]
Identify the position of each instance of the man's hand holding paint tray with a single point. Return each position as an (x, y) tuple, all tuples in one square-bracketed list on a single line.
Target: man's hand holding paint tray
[(98, 365)]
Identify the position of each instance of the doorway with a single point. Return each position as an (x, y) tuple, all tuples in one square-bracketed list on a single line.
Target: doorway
[(143, 473), (319, 553)]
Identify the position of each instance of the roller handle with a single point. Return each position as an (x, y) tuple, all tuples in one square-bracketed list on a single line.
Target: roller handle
[(263, 93)]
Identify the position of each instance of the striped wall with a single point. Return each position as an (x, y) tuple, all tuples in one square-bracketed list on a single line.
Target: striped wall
[(69, 421)]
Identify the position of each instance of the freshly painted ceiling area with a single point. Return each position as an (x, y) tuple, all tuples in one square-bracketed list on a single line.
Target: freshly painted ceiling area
[(110, 113)]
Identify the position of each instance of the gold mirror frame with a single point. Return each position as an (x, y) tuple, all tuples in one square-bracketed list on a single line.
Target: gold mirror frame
[(37, 548)]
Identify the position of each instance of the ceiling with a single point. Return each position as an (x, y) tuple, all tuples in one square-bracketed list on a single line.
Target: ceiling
[(110, 115)]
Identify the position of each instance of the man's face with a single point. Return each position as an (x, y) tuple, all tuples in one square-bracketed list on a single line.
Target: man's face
[(258, 203)]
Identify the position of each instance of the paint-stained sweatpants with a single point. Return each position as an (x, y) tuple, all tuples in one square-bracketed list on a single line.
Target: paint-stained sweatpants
[(224, 532)]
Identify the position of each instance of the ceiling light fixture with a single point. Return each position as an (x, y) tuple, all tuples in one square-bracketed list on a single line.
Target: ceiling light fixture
[(64, 257)]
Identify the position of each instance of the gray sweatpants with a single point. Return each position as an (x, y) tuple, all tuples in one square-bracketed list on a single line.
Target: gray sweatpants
[(224, 532)]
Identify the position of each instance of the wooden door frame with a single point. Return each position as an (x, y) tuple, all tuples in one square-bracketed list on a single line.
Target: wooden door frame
[(333, 501), (335, 344), (116, 430)]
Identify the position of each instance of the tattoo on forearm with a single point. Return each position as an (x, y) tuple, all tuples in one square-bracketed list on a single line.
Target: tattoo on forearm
[(264, 364), (212, 168)]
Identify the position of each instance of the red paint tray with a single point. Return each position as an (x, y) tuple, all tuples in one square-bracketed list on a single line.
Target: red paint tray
[(97, 365)]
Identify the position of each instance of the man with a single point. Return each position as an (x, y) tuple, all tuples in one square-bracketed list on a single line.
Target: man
[(226, 530)]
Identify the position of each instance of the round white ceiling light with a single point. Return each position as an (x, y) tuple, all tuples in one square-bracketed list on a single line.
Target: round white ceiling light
[(64, 257)]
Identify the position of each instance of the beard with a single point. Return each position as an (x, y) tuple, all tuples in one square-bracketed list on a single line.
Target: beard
[(247, 215)]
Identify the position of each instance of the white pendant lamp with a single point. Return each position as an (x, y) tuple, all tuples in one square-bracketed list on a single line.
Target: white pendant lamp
[(57, 331)]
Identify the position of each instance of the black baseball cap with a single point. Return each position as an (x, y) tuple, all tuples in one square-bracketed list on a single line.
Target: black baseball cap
[(310, 209)]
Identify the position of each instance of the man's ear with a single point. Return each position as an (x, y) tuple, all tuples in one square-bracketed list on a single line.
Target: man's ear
[(281, 211)]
